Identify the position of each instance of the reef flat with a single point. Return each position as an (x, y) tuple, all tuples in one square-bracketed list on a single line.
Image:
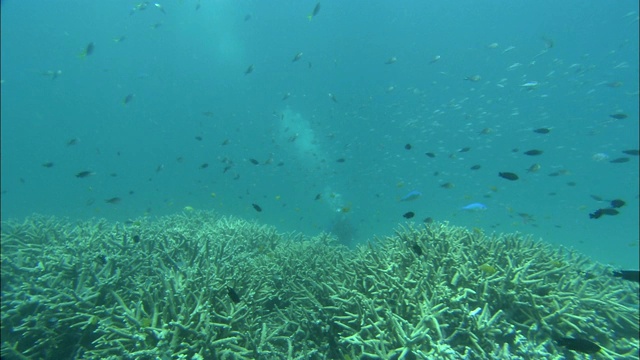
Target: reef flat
[(204, 286)]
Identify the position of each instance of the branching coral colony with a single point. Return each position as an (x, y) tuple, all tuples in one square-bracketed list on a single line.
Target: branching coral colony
[(200, 286)]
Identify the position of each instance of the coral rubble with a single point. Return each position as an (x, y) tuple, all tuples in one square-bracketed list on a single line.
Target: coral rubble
[(201, 286)]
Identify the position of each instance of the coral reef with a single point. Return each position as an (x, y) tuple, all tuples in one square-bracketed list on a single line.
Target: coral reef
[(202, 286)]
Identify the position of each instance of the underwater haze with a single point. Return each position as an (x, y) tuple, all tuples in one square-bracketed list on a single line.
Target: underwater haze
[(321, 118)]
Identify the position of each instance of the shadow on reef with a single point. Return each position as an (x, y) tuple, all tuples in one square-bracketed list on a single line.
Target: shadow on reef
[(342, 228)]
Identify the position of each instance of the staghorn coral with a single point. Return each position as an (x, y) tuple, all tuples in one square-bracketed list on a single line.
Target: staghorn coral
[(158, 290)]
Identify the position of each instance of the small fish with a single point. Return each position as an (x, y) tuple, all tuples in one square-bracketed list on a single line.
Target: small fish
[(257, 207), (408, 146), (333, 98), (286, 96), (619, 160), (475, 167), (48, 164), (233, 295), (475, 207), (464, 149), (411, 195), (487, 269), (207, 113), (249, 70), (508, 175), (139, 7), (297, 57), (113, 200), (531, 85), (318, 197), (534, 152), (447, 185), (631, 275), (84, 174), (72, 142), (534, 168), (88, 50), (430, 154), (619, 116), (391, 60), (341, 160), (159, 7), (598, 213), (633, 152), (428, 220), (408, 215), (254, 161), (435, 59), (119, 39), (127, 99), (204, 166), (315, 12), (579, 345), (474, 78), (617, 203), (596, 197), (199, 138), (53, 74), (417, 249), (542, 130)]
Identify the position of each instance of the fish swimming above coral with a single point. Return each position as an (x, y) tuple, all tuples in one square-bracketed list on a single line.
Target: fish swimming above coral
[(475, 207), (631, 275), (579, 345), (411, 195)]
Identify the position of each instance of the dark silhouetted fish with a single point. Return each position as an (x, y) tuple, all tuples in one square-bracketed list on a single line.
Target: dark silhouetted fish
[(233, 295), (633, 152), (315, 11), (88, 50), (408, 215), (619, 116), (617, 203), (542, 131), (533, 152), (631, 275), (508, 175), (127, 99), (579, 345), (598, 213), (257, 207), (619, 160), (84, 174)]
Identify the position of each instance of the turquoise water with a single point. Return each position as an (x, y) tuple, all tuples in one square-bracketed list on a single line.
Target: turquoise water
[(332, 156)]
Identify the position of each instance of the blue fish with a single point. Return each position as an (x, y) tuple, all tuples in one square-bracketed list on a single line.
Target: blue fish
[(475, 207), (411, 195)]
